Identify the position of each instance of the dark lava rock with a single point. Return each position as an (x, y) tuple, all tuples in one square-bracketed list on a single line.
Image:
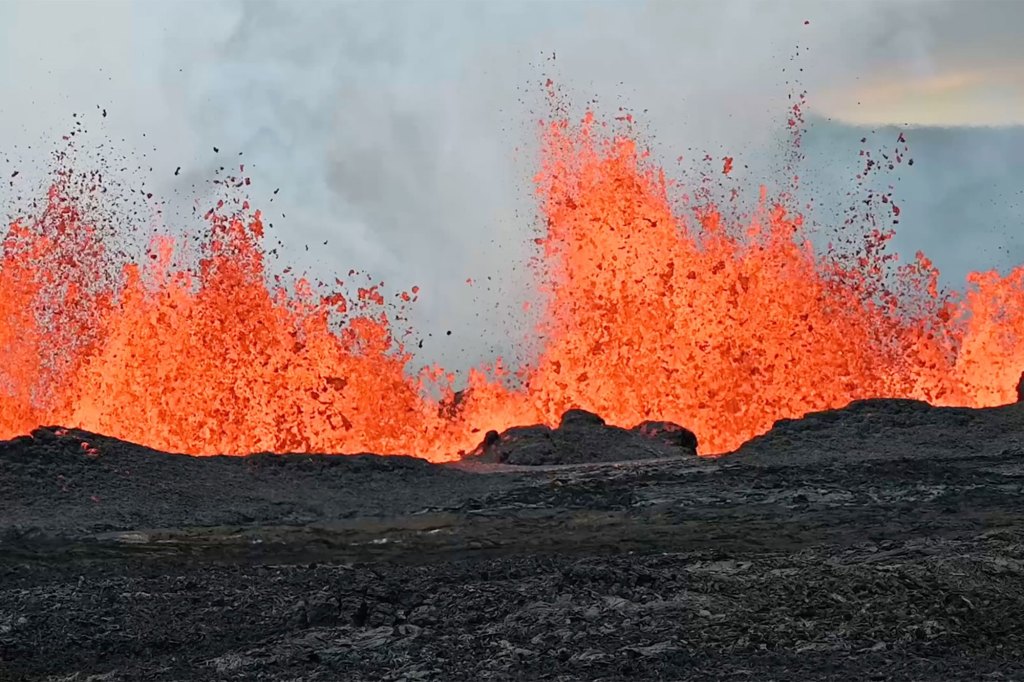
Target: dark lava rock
[(68, 481), (584, 437), (668, 432), (883, 541), (1020, 388), (885, 428), (573, 418), (52, 444)]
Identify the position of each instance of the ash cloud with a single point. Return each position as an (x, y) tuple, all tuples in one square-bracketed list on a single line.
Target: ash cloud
[(402, 133)]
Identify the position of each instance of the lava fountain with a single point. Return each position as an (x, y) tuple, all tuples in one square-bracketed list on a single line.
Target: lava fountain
[(656, 308)]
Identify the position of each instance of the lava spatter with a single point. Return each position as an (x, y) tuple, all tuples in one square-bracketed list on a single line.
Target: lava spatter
[(655, 309)]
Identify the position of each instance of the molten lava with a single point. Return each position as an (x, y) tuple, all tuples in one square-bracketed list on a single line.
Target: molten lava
[(653, 312)]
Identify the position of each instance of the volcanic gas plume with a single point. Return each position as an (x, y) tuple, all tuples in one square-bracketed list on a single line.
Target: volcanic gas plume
[(658, 306)]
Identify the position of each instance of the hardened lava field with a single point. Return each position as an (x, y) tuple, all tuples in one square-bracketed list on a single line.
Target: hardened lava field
[(882, 541)]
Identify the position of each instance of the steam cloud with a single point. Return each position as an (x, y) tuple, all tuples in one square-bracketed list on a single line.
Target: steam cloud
[(391, 127)]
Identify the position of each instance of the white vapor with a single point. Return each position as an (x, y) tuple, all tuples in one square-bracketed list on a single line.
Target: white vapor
[(392, 128)]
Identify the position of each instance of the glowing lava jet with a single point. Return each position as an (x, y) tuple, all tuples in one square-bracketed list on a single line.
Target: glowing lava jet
[(653, 312)]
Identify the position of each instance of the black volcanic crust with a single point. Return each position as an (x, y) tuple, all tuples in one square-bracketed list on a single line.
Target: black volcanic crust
[(583, 437), (886, 429), (59, 485), (883, 541)]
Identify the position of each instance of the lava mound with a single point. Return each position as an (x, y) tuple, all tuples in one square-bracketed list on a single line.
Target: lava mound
[(50, 444), (583, 437)]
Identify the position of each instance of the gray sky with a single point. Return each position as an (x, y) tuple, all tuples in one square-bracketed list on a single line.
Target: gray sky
[(402, 132)]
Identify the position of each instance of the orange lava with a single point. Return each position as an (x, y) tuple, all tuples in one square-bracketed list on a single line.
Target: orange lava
[(653, 312)]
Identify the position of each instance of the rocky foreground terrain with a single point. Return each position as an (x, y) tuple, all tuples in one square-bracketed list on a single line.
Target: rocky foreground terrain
[(884, 541)]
